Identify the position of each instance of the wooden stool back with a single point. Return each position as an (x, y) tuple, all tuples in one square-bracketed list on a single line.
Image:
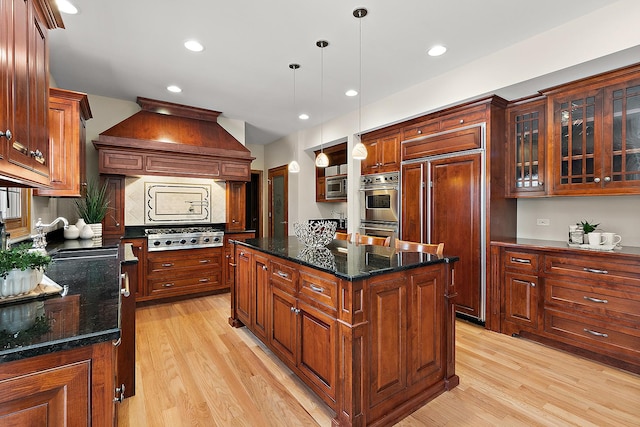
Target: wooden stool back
[(429, 248), (363, 239)]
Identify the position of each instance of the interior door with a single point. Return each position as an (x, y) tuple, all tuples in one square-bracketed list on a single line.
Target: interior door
[(456, 206), (278, 202)]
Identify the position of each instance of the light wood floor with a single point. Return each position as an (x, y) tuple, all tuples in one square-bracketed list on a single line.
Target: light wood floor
[(193, 369)]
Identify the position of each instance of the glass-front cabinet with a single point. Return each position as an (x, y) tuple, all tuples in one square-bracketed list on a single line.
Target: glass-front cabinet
[(526, 148), (594, 137)]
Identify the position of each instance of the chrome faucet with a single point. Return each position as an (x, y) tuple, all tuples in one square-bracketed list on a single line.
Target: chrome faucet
[(39, 239)]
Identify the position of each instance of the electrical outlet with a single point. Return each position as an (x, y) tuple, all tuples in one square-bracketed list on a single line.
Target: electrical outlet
[(542, 221)]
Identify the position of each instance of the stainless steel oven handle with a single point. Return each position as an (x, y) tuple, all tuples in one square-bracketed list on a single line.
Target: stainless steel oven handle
[(392, 230), (378, 188)]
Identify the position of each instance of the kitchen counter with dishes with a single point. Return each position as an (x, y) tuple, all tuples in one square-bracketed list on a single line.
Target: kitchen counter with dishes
[(370, 330)]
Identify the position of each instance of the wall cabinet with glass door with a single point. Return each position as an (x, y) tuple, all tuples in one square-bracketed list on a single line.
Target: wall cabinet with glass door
[(526, 148), (594, 134)]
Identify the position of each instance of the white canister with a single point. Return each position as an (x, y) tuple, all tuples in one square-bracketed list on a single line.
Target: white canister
[(71, 232), (80, 224), (86, 232)]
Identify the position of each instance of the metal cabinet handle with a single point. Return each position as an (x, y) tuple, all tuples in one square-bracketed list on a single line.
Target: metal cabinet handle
[(597, 334), (461, 121), (205, 261), (282, 274), (119, 394), (167, 285), (607, 179), (204, 280), (125, 291), (595, 270), (419, 131), (117, 342), (316, 288), (264, 267), (533, 285), (6, 134), (167, 264), (232, 264), (598, 300), (521, 260), (596, 180)]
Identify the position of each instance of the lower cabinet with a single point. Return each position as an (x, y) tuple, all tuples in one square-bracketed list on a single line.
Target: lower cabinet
[(74, 388), (585, 302), (228, 268)]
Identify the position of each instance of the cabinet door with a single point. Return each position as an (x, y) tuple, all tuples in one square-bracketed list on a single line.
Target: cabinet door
[(283, 332), (139, 249), (113, 222), (321, 190), (236, 205), (318, 349), (413, 202), (526, 149), (621, 156), (521, 299), (389, 153), (370, 164), (260, 297), (577, 142), (242, 289)]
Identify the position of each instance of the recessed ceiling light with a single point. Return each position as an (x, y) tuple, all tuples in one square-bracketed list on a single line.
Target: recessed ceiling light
[(65, 6), (437, 50), (193, 45), (174, 89), (303, 116), (351, 92)]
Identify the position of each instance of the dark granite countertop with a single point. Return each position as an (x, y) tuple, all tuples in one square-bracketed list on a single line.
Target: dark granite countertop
[(87, 314), (345, 260), (562, 246)]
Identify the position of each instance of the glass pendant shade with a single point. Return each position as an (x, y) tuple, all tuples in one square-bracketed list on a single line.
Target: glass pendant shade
[(359, 151), (294, 167), (322, 161)]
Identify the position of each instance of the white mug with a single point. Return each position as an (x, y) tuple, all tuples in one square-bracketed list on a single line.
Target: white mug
[(612, 239), (595, 239)]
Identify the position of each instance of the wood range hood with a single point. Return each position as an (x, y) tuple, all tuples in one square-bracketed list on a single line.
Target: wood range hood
[(172, 140)]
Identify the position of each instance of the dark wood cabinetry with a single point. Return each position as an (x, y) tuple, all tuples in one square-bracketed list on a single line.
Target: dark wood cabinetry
[(526, 130), (68, 113), (113, 222), (593, 134), (229, 261), (236, 205), (24, 90), (383, 152), (337, 155), (585, 302)]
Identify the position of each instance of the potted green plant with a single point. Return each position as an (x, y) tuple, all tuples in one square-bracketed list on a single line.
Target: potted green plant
[(93, 206), (21, 269), (587, 227)]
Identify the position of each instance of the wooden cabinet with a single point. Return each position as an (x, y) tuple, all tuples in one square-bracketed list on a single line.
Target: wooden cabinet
[(183, 272), (337, 155), (593, 134), (68, 113), (236, 205), (229, 261), (138, 275), (25, 86), (113, 222), (526, 129), (74, 388), (383, 152), (585, 302)]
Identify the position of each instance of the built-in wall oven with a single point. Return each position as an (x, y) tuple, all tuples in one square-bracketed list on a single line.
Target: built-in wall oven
[(379, 204)]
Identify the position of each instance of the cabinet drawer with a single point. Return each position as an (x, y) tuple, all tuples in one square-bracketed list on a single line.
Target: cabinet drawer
[(468, 117), (185, 259), (319, 289), (177, 284), (602, 269), (524, 261), (599, 336), (420, 129), (284, 274), (599, 300), (466, 139)]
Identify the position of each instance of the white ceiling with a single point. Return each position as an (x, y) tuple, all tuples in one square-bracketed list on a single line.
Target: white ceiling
[(129, 48)]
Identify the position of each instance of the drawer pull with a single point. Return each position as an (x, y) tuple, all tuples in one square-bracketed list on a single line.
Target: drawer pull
[(520, 260), (205, 261), (203, 280), (316, 288), (597, 334), (595, 270), (167, 285), (232, 264), (167, 264), (282, 274), (602, 301), (533, 285), (295, 310), (264, 267)]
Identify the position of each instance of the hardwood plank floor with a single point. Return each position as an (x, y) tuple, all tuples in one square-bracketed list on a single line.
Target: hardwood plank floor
[(193, 369)]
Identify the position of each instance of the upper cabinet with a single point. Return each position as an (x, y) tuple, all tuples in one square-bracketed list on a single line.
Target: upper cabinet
[(68, 113), (337, 155), (24, 89), (383, 152), (594, 134), (526, 148)]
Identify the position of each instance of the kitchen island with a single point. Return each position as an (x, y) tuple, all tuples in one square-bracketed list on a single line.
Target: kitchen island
[(57, 352), (370, 330)]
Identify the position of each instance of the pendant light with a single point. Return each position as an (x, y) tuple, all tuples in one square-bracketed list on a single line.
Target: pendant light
[(294, 167), (322, 161), (359, 151)]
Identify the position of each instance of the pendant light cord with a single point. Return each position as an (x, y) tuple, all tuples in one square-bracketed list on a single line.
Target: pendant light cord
[(360, 80), (322, 46)]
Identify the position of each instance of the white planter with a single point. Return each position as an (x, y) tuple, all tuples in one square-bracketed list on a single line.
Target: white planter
[(19, 282), (97, 229)]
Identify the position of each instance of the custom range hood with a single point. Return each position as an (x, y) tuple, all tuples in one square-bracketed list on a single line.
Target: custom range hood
[(172, 140)]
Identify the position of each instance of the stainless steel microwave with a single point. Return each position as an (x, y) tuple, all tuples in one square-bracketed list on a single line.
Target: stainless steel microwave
[(336, 187)]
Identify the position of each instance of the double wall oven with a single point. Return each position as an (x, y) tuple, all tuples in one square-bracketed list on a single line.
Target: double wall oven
[(379, 204)]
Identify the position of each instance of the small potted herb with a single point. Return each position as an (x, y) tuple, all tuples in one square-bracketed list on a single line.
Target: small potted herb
[(21, 270), (94, 205), (587, 227)]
